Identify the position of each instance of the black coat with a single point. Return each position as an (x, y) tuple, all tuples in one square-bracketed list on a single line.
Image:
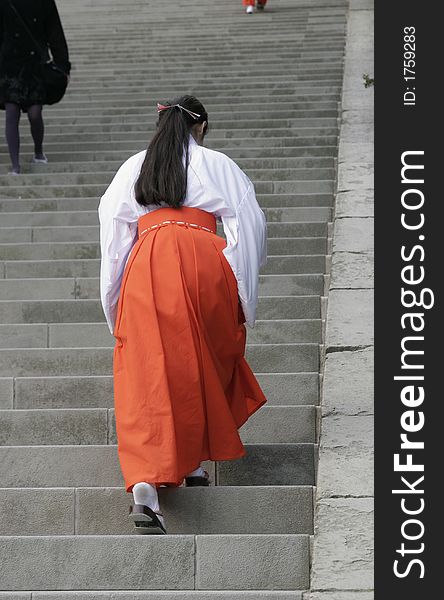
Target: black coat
[(20, 59)]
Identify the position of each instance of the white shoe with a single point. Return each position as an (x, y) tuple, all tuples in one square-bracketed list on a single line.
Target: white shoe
[(249, 10), (14, 173), (40, 161)]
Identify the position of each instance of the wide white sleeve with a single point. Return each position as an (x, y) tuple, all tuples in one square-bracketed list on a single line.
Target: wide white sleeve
[(118, 234), (246, 250)]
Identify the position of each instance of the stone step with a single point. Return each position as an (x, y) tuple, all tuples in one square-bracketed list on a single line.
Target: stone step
[(308, 83), (277, 208), (134, 115), (88, 288), (17, 269), (67, 250), (90, 233), (104, 511), (89, 335), (280, 389), (90, 311), (249, 157), (24, 186), (53, 129), (306, 59), (235, 147), (98, 466), (156, 595), (85, 426), (138, 78), (232, 137), (214, 107), (263, 358), (323, 165), (314, 95), (225, 562)]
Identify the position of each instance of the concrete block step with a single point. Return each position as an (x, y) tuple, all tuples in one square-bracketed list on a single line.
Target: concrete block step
[(263, 358), (104, 511), (101, 177), (235, 147), (306, 60), (94, 151), (281, 95), (137, 80), (145, 126), (203, 88), (90, 311), (264, 134), (131, 115), (79, 335), (155, 562), (98, 466), (88, 288), (156, 595), (280, 389), (81, 250), (30, 189), (257, 171), (79, 219), (90, 267), (214, 107), (92, 426), (293, 207), (90, 233)]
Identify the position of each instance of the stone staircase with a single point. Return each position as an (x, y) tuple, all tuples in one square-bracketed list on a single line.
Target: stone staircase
[(271, 83)]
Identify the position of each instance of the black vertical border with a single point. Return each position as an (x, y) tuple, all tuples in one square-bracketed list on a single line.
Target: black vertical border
[(399, 129)]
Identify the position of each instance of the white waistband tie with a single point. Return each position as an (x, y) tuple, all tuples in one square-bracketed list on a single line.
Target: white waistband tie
[(185, 223)]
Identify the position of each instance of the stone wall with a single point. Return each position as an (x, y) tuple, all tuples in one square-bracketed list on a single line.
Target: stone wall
[(342, 567)]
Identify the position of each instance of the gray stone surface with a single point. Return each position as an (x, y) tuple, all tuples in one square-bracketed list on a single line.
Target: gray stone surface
[(254, 562), (52, 426), (350, 322), (340, 595), (351, 270), (348, 383), (342, 565), (352, 175), (270, 464), (354, 235), (170, 595), (345, 471), (354, 204), (95, 563), (36, 511), (212, 510), (344, 544), (6, 392)]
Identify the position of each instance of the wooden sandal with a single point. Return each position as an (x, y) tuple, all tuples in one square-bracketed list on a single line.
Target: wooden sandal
[(195, 481), (146, 520)]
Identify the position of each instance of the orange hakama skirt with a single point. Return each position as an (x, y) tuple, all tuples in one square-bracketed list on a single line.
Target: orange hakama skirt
[(182, 386)]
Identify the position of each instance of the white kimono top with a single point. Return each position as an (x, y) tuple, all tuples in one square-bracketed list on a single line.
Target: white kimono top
[(215, 184)]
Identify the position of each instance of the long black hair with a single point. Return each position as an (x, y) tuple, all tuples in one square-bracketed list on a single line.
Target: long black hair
[(163, 176)]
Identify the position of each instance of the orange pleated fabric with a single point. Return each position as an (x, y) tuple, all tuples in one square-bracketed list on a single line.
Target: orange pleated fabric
[(182, 386)]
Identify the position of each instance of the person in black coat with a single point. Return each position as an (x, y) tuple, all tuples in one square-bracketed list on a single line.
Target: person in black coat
[(21, 67)]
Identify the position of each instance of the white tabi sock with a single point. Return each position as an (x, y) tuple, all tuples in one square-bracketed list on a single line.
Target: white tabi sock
[(145, 493), (199, 472)]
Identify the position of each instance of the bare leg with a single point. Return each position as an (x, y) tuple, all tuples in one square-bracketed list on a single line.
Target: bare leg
[(12, 134)]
